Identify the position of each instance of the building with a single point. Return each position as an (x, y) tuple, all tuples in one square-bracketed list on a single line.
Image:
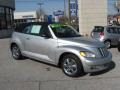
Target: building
[(7, 8), (91, 13), (21, 17), (28, 16)]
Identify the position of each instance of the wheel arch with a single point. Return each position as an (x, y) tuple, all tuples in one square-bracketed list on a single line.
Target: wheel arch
[(15, 43), (66, 53), (12, 44)]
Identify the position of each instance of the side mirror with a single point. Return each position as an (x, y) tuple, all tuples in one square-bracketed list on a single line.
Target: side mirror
[(46, 35)]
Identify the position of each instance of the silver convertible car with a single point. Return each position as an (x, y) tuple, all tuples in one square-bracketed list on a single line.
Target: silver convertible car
[(61, 45)]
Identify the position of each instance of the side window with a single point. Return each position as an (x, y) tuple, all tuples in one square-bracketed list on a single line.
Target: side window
[(118, 30), (27, 29), (108, 30), (115, 30), (35, 30), (112, 30), (45, 32)]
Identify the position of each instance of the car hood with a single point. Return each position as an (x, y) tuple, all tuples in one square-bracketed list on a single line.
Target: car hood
[(80, 41)]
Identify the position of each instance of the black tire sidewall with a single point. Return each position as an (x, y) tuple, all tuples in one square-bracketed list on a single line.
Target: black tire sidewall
[(107, 42), (119, 48)]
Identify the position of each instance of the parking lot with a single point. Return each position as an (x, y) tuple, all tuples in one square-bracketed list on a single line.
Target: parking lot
[(33, 75)]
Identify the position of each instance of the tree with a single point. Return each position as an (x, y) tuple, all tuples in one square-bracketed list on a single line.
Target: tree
[(40, 14), (117, 5)]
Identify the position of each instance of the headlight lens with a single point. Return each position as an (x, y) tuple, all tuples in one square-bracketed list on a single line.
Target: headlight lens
[(87, 54)]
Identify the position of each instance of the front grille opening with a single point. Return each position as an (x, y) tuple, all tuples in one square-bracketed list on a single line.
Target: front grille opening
[(103, 52)]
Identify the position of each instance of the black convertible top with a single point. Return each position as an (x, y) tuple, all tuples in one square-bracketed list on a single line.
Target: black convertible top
[(21, 26)]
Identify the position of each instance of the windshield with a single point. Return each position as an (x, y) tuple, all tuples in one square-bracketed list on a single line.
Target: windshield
[(64, 31), (98, 29)]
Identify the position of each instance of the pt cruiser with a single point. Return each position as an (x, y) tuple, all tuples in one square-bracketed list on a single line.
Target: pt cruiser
[(60, 45)]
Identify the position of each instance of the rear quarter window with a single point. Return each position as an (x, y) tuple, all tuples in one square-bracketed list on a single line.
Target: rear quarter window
[(32, 29), (19, 27), (27, 29)]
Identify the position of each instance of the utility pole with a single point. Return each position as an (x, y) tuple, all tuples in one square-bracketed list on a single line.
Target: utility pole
[(69, 16), (64, 8), (40, 4)]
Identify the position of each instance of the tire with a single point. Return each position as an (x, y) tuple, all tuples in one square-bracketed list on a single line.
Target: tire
[(119, 47), (16, 53), (71, 65), (107, 44)]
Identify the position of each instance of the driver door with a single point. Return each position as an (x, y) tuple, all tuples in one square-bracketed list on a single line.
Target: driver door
[(41, 46)]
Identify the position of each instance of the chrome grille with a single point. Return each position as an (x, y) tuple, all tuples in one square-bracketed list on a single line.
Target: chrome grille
[(103, 51)]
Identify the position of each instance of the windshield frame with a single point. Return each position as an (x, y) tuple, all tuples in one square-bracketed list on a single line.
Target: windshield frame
[(77, 33)]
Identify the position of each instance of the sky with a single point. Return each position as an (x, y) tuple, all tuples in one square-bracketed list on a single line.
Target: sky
[(111, 8), (51, 5), (48, 5)]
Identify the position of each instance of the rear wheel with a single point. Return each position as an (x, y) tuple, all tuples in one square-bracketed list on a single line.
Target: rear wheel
[(16, 53), (119, 47), (71, 65), (107, 44)]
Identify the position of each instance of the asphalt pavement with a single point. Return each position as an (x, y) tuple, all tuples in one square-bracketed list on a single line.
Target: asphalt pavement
[(33, 75)]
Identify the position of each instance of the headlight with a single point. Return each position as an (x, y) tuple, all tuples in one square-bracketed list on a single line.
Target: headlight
[(87, 54)]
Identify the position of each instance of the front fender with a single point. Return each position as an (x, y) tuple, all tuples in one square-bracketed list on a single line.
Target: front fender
[(18, 43), (68, 49)]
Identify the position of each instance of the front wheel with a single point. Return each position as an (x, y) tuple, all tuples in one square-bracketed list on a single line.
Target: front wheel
[(71, 65)]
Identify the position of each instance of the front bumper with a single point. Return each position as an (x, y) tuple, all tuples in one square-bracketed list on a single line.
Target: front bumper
[(95, 65)]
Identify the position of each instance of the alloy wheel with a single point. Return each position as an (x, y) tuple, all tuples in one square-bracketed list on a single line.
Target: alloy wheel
[(70, 66)]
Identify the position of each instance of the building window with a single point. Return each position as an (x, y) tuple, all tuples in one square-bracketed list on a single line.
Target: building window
[(2, 10), (6, 18), (7, 11)]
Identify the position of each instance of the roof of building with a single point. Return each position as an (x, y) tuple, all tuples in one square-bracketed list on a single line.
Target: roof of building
[(25, 15)]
